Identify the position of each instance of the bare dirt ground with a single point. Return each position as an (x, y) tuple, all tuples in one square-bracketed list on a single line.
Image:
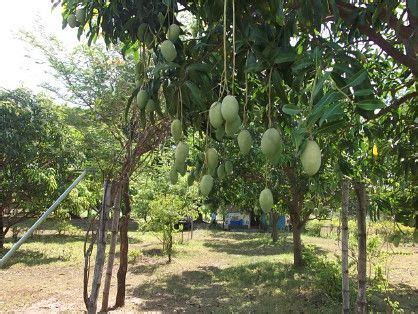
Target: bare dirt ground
[(214, 272)]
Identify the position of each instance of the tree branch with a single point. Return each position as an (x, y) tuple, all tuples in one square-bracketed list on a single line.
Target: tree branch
[(394, 105), (347, 11)]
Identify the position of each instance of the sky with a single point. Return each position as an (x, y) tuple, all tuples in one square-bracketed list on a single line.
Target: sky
[(16, 70)]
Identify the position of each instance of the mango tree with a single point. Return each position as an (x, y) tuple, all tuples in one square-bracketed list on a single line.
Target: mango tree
[(305, 62)]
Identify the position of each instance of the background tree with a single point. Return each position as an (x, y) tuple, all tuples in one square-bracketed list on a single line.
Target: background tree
[(38, 156)]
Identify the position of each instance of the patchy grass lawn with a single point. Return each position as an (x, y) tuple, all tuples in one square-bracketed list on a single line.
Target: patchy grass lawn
[(217, 271)]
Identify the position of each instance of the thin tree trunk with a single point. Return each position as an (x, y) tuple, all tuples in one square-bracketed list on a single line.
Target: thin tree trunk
[(416, 222), (361, 302), (124, 246), (170, 245), (345, 195), (2, 235), (101, 249), (112, 249), (274, 219), (297, 246), (191, 230)]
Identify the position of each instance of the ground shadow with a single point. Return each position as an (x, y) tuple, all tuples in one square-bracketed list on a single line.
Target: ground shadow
[(406, 297), (147, 266), (258, 287), (250, 244), (31, 258), (265, 286)]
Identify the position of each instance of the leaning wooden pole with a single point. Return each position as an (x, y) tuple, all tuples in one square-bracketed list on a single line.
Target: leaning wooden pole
[(345, 196), (112, 249)]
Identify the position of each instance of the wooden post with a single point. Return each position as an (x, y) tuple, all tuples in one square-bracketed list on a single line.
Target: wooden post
[(124, 247), (101, 249), (112, 248), (345, 195), (362, 253)]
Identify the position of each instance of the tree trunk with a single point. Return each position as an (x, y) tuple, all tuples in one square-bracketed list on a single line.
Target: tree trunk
[(345, 195), (274, 219), (101, 249), (191, 230), (170, 245), (298, 188), (362, 254), (416, 221), (199, 217), (112, 248), (2, 235), (124, 246), (297, 246)]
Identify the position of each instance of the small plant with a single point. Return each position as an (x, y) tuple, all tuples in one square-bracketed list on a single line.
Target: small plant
[(165, 213), (133, 256), (313, 228), (326, 274)]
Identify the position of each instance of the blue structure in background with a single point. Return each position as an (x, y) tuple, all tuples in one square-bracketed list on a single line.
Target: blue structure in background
[(281, 223), (236, 223)]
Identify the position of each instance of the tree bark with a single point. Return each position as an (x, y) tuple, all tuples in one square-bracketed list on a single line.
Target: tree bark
[(416, 221), (298, 218), (361, 302), (274, 233), (124, 246), (297, 247), (101, 249), (112, 248), (191, 229), (2, 235), (345, 195), (170, 245)]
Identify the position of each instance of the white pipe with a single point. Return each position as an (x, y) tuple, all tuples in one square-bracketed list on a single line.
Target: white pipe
[(41, 219)]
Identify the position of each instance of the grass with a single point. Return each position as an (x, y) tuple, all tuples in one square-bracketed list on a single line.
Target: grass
[(217, 271)]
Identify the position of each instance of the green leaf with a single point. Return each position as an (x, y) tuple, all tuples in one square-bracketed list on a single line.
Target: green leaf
[(201, 67), (280, 13), (413, 7), (251, 64), (290, 109), (331, 114), (338, 79), (364, 92), (164, 67), (331, 126), (319, 84), (371, 104), (301, 65), (357, 78), (283, 57), (328, 98), (195, 92)]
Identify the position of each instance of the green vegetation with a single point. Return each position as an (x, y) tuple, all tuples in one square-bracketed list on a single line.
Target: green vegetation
[(226, 271), (300, 108)]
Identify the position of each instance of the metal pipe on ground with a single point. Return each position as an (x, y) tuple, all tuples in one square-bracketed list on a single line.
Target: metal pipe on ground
[(28, 233)]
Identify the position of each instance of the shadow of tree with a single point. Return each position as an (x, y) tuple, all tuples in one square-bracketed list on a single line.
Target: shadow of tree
[(31, 258), (264, 286), (405, 295), (258, 287), (147, 265), (251, 247)]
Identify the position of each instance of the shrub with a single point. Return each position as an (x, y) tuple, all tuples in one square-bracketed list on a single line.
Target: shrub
[(326, 274), (313, 228), (133, 256)]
